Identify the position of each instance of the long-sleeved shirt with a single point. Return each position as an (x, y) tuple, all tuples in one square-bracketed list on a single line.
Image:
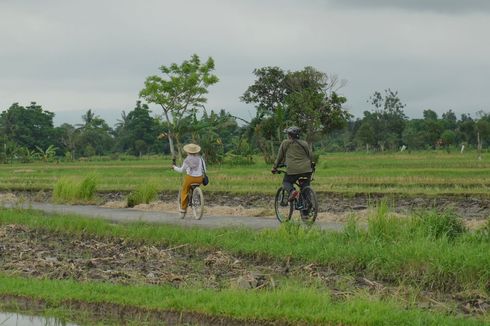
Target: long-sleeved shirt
[(297, 156), (193, 165)]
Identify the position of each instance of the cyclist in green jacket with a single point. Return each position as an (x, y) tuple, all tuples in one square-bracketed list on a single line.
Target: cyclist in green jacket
[(297, 155)]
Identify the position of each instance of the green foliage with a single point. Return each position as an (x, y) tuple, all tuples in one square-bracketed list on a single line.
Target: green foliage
[(26, 155), (137, 132), (93, 136), (144, 194), (305, 98), (180, 92), (75, 190), (214, 133), (48, 154), (313, 104), (437, 225), (28, 127)]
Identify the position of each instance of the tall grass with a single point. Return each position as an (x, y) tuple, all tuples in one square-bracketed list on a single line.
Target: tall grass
[(75, 190), (143, 194)]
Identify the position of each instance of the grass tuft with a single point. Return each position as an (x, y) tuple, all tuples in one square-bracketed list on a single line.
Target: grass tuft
[(435, 225), (75, 190), (144, 194)]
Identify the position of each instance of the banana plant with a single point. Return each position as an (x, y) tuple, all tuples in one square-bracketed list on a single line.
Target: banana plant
[(27, 155), (48, 154)]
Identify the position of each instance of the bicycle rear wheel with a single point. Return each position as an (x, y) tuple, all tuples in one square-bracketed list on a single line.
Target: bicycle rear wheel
[(283, 208), (309, 211), (197, 203)]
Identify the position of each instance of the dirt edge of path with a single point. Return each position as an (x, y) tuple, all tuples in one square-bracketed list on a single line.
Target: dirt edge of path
[(333, 207)]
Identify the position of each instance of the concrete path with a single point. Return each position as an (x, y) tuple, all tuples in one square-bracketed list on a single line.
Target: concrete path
[(133, 215)]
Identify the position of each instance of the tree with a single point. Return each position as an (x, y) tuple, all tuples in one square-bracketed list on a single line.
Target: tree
[(391, 118), (67, 139), (448, 138), (180, 92), (306, 98), (93, 136), (313, 104), (483, 130), (432, 128), (449, 120), (412, 135), (366, 134), (28, 127), (137, 131), (467, 126), (268, 92), (214, 132)]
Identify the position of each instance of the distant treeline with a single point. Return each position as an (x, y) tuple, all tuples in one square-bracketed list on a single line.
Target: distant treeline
[(27, 134), (306, 98)]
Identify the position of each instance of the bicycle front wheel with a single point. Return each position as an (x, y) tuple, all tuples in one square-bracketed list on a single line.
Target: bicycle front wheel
[(197, 203), (179, 209), (283, 208), (309, 211)]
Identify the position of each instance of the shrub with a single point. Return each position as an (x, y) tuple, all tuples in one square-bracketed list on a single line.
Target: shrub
[(145, 193)]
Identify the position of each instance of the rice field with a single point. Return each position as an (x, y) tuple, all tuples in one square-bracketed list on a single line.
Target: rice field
[(420, 173)]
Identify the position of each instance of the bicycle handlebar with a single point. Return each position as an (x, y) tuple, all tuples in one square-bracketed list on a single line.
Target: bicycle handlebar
[(279, 172)]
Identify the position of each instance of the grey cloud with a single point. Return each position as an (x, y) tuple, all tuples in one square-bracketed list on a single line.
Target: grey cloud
[(438, 6)]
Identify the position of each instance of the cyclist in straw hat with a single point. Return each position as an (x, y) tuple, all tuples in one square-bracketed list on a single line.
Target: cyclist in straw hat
[(194, 167)]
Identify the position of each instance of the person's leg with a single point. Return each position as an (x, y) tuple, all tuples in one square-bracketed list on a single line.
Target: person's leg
[(287, 182), (186, 186), (306, 182), (184, 193)]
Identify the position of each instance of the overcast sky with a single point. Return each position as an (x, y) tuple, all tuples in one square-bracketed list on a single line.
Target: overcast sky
[(71, 56)]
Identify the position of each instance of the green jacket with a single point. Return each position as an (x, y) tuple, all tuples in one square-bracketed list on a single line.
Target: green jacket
[(296, 154)]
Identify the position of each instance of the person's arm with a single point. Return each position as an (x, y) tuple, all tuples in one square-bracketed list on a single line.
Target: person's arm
[(178, 169), (281, 155), (182, 168)]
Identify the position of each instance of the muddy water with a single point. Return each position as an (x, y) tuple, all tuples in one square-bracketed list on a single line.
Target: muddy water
[(15, 319)]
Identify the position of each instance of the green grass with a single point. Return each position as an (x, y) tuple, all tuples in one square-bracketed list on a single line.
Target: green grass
[(144, 194), (74, 189), (427, 173), (291, 305), (428, 251), (431, 254)]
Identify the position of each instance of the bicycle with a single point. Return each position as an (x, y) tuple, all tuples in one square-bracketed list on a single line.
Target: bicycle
[(195, 201), (305, 201)]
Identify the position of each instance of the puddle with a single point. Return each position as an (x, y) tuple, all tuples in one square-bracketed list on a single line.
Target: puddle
[(15, 319)]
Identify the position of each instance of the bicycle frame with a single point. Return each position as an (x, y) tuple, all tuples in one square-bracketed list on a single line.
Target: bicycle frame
[(305, 201)]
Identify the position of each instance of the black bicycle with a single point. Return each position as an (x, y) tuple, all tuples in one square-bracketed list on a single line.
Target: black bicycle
[(195, 200), (304, 201)]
